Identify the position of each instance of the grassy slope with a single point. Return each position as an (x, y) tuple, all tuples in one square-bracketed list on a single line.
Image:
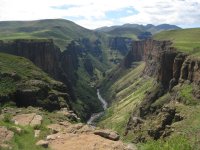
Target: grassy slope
[(27, 71), (23, 67), (127, 90), (62, 31), (186, 40), (186, 135)]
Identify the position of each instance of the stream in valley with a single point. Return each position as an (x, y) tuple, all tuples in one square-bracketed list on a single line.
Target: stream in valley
[(95, 116)]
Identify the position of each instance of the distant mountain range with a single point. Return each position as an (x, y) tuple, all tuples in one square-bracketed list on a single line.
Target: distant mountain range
[(149, 27), (134, 30)]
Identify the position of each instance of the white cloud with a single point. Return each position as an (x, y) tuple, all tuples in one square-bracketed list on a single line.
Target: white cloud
[(93, 12)]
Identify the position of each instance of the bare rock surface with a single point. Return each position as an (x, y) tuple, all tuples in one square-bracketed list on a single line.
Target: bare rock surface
[(83, 137), (107, 134), (43, 143), (5, 136), (31, 119)]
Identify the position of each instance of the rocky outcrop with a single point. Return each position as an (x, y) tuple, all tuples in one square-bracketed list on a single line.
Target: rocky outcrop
[(43, 53), (107, 134), (169, 67), (164, 62), (80, 136), (42, 143), (6, 136), (31, 119)]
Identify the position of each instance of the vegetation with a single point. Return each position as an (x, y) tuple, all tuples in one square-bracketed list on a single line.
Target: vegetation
[(25, 140), (126, 91), (174, 143), (185, 40), (60, 30), (20, 68)]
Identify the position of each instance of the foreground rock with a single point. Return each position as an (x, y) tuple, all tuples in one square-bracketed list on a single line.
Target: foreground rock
[(43, 143), (5, 136), (107, 134), (83, 137), (31, 119)]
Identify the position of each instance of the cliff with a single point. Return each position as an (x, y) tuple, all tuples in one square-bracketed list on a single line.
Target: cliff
[(163, 62), (155, 94), (173, 71), (24, 84), (69, 66)]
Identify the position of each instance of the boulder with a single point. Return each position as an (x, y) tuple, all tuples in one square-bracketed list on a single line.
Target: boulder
[(36, 133), (108, 134), (42, 143)]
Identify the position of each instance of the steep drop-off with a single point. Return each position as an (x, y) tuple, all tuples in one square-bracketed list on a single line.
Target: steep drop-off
[(24, 84), (162, 107), (62, 66)]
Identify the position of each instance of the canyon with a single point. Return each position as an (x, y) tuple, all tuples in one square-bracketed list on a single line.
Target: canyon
[(146, 92)]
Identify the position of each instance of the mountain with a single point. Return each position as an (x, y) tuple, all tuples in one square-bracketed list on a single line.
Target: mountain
[(62, 31), (134, 30)]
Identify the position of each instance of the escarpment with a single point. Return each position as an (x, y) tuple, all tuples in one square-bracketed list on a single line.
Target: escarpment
[(63, 66), (170, 68), (163, 62), (42, 53)]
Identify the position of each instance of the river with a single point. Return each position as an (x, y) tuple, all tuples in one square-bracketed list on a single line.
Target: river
[(97, 115)]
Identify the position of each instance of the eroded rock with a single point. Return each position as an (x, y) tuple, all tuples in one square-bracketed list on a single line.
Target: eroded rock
[(5, 136), (42, 143), (31, 119), (107, 134)]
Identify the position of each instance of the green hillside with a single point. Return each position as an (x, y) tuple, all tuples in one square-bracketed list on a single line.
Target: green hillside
[(126, 89), (185, 40), (60, 30), (19, 77)]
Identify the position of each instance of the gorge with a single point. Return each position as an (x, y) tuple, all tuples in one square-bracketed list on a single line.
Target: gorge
[(146, 91), (95, 116)]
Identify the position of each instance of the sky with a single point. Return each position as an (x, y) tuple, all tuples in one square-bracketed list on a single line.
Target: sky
[(97, 13)]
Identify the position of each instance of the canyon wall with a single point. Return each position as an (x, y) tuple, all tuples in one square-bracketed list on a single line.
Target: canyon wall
[(164, 62), (169, 67)]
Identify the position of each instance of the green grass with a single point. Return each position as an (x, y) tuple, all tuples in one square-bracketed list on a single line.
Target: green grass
[(185, 40), (174, 143), (185, 94), (24, 140), (7, 85), (60, 30), (125, 92), (22, 67)]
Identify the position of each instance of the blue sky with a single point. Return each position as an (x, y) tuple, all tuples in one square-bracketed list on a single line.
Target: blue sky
[(97, 13)]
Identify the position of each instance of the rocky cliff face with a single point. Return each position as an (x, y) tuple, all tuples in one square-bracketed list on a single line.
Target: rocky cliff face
[(62, 66), (163, 62), (42, 53), (170, 68)]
